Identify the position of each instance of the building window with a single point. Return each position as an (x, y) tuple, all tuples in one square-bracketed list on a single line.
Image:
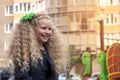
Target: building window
[(111, 1), (107, 2), (28, 6), (16, 7), (8, 27), (24, 5), (116, 18), (21, 7), (8, 10), (106, 20), (42, 6), (114, 2), (58, 2), (48, 4), (112, 19), (84, 24), (101, 2), (6, 45), (109, 19)]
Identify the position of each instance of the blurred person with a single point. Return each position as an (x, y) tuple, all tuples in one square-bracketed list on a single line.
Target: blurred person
[(37, 49)]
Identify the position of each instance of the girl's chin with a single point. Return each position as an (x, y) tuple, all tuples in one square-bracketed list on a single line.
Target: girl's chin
[(44, 41)]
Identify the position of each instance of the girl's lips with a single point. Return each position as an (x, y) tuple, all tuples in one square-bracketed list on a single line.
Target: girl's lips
[(46, 36)]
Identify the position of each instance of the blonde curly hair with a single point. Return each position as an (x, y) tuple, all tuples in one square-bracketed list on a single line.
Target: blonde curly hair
[(24, 45)]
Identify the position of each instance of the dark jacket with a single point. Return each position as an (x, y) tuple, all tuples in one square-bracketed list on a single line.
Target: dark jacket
[(44, 71)]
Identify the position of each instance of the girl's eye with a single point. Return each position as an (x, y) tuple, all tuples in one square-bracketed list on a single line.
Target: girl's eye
[(49, 28), (43, 27)]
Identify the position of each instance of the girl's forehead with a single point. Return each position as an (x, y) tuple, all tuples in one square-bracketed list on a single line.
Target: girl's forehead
[(45, 21)]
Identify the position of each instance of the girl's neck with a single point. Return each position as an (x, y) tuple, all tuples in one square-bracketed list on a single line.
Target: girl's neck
[(41, 47)]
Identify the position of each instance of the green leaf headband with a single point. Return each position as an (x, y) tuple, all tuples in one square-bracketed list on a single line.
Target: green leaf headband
[(27, 17)]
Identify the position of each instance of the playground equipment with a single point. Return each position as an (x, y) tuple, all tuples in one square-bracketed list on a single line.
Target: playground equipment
[(87, 61), (113, 61), (109, 63), (101, 59)]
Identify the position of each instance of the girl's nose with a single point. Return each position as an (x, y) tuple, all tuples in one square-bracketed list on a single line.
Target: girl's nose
[(48, 31)]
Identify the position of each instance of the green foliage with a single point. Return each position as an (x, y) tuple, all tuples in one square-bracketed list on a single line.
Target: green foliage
[(74, 56)]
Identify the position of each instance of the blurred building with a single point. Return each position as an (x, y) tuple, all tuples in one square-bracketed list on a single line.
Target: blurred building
[(109, 12), (79, 20), (11, 11), (72, 19), (22, 7), (6, 24)]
